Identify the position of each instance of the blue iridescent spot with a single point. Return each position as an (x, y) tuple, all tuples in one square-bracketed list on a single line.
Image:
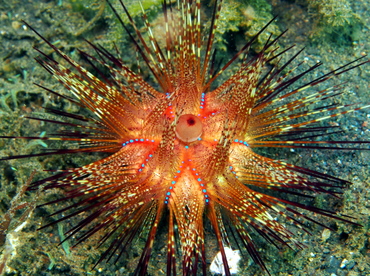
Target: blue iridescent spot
[(142, 140), (186, 147), (150, 155), (199, 139), (166, 202), (236, 140), (143, 165), (205, 195), (207, 200), (204, 190), (178, 171), (173, 182), (171, 187), (199, 179), (202, 185), (167, 197), (168, 193)]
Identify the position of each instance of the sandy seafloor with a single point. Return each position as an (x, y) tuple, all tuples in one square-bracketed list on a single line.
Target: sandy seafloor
[(35, 252)]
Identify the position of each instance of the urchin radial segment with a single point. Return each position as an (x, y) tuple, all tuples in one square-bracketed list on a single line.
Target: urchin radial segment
[(184, 147)]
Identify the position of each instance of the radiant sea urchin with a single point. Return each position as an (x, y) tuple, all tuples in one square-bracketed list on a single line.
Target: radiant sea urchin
[(183, 151)]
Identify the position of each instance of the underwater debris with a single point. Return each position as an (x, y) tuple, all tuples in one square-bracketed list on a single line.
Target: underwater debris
[(10, 238)]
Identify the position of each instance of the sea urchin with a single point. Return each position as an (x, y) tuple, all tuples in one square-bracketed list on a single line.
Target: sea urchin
[(183, 150)]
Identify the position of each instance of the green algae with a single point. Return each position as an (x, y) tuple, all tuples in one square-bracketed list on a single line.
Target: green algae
[(247, 17), (64, 242), (335, 21)]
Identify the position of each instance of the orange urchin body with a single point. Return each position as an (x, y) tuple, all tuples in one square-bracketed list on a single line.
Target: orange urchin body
[(187, 147)]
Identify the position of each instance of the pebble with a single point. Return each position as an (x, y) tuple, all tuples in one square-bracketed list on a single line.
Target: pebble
[(344, 263), (350, 264), (325, 235), (16, 25)]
